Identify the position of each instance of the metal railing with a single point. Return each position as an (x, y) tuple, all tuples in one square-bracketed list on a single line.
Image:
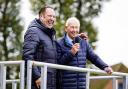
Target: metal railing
[(3, 70), (44, 66), (3, 81)]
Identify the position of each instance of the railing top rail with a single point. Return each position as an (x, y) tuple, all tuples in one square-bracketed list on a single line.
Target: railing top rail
[(11, 62), (104, 77), (10, 81), (63, 67)]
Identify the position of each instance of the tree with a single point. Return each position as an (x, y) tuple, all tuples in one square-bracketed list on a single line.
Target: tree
[(84, 10), (10, 33), (10, 29)]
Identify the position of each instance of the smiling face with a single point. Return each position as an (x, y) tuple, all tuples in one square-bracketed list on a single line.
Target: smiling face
[(72, 28), (48, 18)]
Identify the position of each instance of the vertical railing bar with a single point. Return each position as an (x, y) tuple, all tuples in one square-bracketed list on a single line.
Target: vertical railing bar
[(125, 82), (87, 80), (29, 74), (114, 83), (1, 76), (4, 76), (14, 85), (44, 77), (22, 75)]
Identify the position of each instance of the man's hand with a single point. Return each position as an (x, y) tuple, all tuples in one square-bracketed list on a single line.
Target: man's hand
[(38, 82), (75, 48), (83, 35), (108, 70)]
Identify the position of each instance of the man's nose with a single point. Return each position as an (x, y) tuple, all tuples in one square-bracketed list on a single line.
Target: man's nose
[(52, 17)]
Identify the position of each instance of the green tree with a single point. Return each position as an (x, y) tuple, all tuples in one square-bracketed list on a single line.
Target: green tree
[(84, 10), (10, 34), (10, 29)]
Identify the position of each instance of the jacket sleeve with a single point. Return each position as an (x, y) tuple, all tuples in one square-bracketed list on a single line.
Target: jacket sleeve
[(31, 41), (63, 56), (95, 59)]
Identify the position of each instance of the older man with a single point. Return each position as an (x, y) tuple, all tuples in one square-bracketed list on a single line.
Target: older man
[(75, 51)]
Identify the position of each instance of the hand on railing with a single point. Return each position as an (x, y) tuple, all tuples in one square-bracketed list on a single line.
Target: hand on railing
[(108, 70), (38, 82)]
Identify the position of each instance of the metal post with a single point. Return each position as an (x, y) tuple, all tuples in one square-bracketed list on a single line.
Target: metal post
[(2, 76), (29, 74), (22, 75), (14, 85), (125, 82), (87, 80), (114, 83), (44, 77)]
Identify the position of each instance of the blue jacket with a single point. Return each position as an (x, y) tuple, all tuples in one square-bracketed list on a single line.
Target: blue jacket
[(39, 45), (70, 79)]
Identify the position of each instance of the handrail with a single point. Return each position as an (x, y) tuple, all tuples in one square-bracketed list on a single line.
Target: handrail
[(105, 77), (11, 62), (71, 68), (3, 81), (44, 66)]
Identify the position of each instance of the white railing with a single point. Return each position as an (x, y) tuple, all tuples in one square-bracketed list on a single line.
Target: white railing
[(44, 66), (4, 81)]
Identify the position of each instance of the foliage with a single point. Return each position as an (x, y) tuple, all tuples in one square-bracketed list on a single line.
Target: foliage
[(10, 29), (84, 10), (10, 34)]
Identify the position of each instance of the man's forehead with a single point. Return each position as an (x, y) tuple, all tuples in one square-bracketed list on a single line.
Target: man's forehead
[(73, 24), (47, 9), (50, 11)]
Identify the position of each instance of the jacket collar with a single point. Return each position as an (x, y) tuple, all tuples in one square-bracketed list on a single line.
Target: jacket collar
[(67, 40), (50, 32)]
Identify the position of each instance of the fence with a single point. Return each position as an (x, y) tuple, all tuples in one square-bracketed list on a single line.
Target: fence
[(3, 70), (44, 66)]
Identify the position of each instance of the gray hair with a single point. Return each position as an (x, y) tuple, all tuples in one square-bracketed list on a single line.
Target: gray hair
[(72, 19)]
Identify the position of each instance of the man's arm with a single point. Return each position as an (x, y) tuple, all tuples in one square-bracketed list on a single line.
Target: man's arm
[(29, 48), (96, 60)]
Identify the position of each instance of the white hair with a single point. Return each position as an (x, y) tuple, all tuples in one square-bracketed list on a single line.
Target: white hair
[(72, 19)]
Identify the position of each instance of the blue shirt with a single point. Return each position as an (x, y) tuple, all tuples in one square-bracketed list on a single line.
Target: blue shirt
[(69, 40)]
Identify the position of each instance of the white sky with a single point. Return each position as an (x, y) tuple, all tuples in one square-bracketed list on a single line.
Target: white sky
[(113, 32), (112, 46)]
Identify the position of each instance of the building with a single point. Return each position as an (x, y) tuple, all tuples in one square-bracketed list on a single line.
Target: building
[(107, 84)]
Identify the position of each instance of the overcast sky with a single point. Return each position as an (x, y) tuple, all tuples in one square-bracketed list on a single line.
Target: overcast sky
[(113, 32), (112, 45)]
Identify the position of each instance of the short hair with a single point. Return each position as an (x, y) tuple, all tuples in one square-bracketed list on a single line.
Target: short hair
[(42, 10), (69, 20)]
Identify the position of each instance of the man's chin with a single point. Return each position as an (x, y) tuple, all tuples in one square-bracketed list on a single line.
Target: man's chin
[(73, 37), (50, 26)]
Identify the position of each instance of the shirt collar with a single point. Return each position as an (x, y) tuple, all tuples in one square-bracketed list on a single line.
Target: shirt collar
[(69, 39)]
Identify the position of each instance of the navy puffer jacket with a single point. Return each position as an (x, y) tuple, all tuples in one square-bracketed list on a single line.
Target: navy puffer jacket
[(70, 79), (39, 45)]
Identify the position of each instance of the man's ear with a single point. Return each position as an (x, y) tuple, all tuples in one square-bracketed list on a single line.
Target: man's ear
[(41, 16), (65, 29)]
